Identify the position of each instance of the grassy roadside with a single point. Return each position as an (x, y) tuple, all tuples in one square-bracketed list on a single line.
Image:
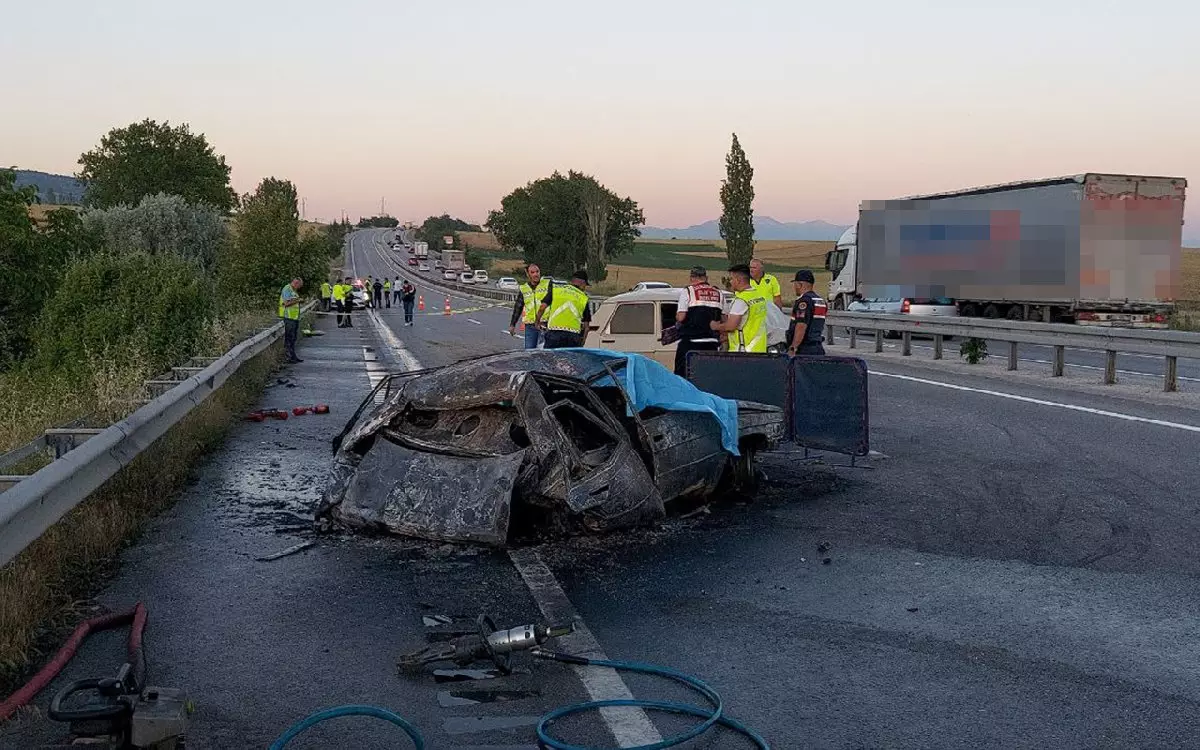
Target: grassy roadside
[(41, 589)]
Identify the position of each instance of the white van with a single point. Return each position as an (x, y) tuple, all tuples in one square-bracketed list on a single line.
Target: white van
[(634, 322)]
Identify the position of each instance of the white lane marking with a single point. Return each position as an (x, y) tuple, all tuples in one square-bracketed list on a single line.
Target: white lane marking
[(1071, 364), (630, 726), (1041, 402), (476, 322)]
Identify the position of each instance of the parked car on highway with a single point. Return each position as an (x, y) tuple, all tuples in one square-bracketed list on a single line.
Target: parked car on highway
[(644, 285), (449, 275), (412, 261), (939, 306), (481, 277), (466, 277), (634, 322), (423, 267), (358, 297), (508, 283)]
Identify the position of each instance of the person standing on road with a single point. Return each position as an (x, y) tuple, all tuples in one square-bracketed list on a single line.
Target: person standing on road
[(536, 295), (396, 290), (326, 293), (410, 297), (765, 283), (746, 323), (289, 311), (378, 285), (339, 301), (368, 291), (808, 317), (699, 305), (564, 325), (387, 292), (349, 301)]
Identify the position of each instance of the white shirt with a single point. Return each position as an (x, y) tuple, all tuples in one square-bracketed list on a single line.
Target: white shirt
[(738, 307)]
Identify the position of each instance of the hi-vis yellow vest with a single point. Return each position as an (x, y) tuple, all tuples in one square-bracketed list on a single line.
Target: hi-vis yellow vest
[(751, 336), (288, 313), (569, 304), (533, 298)]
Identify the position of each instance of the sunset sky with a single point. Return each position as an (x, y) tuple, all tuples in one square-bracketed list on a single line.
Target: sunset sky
[(445, 107)]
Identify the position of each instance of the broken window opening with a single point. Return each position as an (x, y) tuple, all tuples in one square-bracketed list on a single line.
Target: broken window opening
[(587, 435), (424, 418), (467, 426)]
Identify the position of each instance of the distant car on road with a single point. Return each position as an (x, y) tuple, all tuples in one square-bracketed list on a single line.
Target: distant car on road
[(466, 277), (358, 297), (423, 267), (644, 285), (449, 275), (937, 306), (438, 263), (508, 283), (412, 261), (481, 277)]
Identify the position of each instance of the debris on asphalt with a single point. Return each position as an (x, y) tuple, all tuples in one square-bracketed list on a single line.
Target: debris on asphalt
[(487, 643), (284, 553), (540, 440), (827, 560), (436, 620), (823, 547), (913, 609)]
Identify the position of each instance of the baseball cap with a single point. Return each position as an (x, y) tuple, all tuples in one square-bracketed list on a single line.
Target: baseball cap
[(581, 274), (805, 275), (698, 272)]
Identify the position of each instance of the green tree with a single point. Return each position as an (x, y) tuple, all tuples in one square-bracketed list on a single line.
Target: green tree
[(567, 222), (146, 158), (266, 251), (161, 224), (737, 205), (381, 222)]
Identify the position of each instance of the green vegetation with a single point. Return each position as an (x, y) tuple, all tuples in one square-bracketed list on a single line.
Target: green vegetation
[(663, 255), (378, 222), (435, 229), (567, 222), (146, 158), (737, 205)]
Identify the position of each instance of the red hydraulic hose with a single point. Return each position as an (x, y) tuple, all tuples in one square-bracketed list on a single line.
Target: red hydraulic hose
[(135, 618)]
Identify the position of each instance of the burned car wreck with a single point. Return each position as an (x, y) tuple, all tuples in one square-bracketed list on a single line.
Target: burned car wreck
[(557, 440)]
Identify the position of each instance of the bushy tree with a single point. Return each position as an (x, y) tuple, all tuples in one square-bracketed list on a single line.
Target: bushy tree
[(147, 158), (737, 205), (32, 260), (567, 222), (111, 305), (161, 224), (381, 222)]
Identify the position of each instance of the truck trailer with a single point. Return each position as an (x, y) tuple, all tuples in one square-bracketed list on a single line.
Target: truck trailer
[(421, 250), (1100, 249)]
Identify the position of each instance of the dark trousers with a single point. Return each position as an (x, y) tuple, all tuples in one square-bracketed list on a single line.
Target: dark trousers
[(396, 295), (814, 349), (685, 346), (341, 312), (324, 304), (409, 304), (562, 339), (387, 297), (290, 329), (347, 308)]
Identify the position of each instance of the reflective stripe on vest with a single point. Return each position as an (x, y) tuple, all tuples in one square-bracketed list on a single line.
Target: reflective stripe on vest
[(568, 311), (290, 313), (533, 298), (751, 335)]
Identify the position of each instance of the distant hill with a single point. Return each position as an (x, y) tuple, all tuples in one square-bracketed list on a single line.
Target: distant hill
[(765, 228), (57, 189)]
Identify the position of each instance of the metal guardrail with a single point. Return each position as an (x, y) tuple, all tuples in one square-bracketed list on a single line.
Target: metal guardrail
[(37, 502), (1171, 345)]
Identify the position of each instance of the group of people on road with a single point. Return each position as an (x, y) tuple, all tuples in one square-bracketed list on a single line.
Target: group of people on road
[(339, 296), (554, 315)]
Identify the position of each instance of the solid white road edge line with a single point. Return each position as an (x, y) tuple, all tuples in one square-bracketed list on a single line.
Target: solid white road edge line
[(631, 727), (1041, 402)]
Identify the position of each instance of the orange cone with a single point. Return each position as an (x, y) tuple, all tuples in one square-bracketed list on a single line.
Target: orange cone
[(420, 301), (447, 310)]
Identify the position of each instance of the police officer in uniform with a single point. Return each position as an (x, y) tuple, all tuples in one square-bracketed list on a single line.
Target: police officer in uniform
[(699, 305), (765, 283), (808, 317), (746, 323), (536, 297), (564, 325)]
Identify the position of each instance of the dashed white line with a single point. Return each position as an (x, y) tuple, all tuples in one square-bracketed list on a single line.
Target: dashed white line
[(1041, 402), (476, 322), (630, 726)]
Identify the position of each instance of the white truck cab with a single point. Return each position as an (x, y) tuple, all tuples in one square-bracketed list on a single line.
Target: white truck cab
[(841, 262)]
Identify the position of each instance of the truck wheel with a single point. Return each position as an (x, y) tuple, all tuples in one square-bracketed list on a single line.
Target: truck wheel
[(969, 310), (1016, 313), (991, 311)]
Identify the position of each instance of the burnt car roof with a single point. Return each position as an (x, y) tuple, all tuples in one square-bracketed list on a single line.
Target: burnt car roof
[(498, 377)]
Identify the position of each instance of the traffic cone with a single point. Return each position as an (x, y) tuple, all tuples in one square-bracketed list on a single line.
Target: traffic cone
[(420, 301), (447, 310)]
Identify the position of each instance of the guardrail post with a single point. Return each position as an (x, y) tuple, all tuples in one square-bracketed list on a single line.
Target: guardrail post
[(1170, 382), (1012, 355), (878, 339), (906, 344), (828, 335), (937, 345), (1110, 366), (853, 336), (1060, 360)]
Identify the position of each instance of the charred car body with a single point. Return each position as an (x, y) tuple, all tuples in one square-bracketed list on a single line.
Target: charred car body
[(567, 440)]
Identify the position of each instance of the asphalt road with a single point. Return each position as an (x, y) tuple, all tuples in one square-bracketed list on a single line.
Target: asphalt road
[(1015, 568)]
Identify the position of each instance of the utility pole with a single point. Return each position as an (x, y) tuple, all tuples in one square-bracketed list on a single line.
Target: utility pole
[(382, 210), (303, 207)]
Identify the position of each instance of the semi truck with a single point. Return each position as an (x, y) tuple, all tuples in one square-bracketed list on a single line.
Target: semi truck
[(453, 259), (1090, 249), (421, 250)]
